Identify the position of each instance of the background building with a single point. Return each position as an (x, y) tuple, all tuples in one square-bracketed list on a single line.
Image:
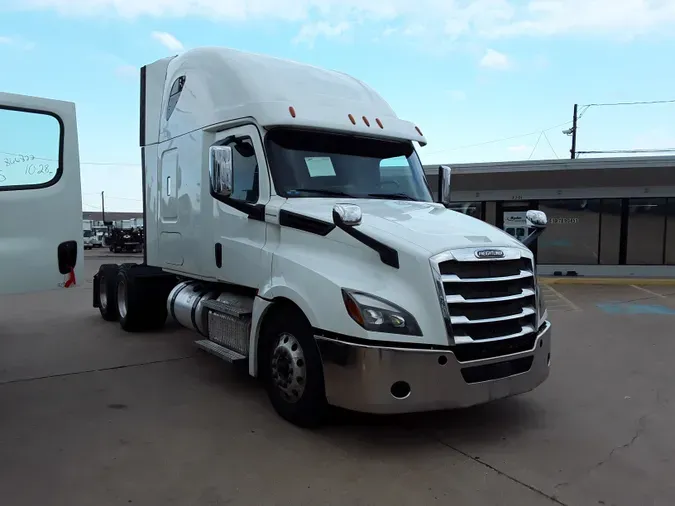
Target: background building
[(127, 220), (607, 216)]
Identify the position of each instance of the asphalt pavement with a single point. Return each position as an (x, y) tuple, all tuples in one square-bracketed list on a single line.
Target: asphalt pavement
[(91, 415)]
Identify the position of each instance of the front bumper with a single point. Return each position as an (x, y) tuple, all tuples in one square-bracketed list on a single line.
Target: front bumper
[(360, 377)]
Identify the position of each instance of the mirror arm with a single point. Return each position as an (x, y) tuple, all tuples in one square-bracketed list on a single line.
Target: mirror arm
[(530, 239)]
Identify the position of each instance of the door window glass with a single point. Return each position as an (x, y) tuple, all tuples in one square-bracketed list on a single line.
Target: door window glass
[(30, 145)]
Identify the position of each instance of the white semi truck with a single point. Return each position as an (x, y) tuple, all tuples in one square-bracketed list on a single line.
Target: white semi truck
[(288, 222)]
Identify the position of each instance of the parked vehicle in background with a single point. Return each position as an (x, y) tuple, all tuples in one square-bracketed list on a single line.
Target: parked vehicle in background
[(125, 240)]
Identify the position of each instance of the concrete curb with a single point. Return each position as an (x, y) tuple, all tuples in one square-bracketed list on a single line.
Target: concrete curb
[(582, 280)]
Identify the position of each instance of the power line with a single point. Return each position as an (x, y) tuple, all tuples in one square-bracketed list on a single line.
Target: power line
[(647, 102), (550, 146), (616, 151), (535, 145), (114, 198), (520, 136), (124, 164)]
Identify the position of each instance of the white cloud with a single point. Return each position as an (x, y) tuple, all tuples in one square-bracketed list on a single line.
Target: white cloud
[(127, 71), (309, 32), (447, 18), (457, 95), (495, 60), (519, 149), (16, 42), (168, 41)]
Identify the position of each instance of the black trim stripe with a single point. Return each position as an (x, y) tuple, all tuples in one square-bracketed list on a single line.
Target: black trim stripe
[(388, 255), (142, 102), (144, 193), (254, 211), (305, 223), (143, 167), (358, 341)]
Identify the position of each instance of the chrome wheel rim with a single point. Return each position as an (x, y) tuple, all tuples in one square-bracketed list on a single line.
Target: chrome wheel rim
[(122, 298), (289, 368)]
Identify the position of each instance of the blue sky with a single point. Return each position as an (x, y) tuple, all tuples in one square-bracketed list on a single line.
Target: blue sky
[(476, 76)]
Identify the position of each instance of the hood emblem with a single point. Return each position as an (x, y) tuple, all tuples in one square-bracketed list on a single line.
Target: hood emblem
[(489, 253)]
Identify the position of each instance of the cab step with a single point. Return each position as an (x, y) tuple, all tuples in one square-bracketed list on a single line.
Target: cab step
[(220, 351)]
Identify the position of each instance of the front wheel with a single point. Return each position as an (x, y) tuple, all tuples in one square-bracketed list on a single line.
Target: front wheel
[(293, 371)]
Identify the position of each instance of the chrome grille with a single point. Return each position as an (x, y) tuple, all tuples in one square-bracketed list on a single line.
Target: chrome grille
[(489, 299)]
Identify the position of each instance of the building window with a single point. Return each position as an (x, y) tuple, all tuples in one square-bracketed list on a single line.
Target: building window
[(571, 236), (473, 209), (610, 232), (670, 232), (646, 227)]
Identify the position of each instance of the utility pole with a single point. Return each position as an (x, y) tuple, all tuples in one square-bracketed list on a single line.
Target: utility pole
[(573, 150), (102, 206)]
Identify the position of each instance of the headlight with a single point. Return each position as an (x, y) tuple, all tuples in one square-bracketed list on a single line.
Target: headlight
[(378, 315)]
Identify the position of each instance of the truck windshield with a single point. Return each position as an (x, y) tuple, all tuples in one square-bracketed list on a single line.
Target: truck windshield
[(325, 164)]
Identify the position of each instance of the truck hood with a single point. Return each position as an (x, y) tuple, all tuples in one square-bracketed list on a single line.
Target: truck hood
[(427, 225)]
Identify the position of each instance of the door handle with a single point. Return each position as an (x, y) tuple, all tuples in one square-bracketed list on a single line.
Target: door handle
[(168, 186)]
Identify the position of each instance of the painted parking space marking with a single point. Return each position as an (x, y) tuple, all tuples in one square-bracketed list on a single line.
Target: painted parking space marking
[(630, 308), (646, 290), (556, 301)]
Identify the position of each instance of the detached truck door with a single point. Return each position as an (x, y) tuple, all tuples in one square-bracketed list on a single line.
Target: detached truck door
[(40, 195)]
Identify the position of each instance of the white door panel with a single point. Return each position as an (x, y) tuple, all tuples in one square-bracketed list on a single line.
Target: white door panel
[(40, 194), (241, 237)]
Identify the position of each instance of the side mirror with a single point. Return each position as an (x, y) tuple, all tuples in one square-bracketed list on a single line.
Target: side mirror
[(444, 173), (347, 215), (220, 170), (536, 219)]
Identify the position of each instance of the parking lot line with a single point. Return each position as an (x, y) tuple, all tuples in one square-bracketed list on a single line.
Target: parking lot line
[(648, 291), (563, 298)]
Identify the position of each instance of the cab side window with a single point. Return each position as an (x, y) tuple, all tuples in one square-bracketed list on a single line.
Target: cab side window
[(174, 95), (245, 170)]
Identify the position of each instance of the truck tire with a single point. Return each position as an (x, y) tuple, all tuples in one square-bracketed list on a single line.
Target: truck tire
[(292, 369), (107, 276), (141, 301)]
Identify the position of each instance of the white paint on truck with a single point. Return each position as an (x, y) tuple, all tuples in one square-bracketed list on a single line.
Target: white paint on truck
[(40, 191)]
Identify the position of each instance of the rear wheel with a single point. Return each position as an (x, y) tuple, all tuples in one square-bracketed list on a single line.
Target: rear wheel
[(107, 291), (292, 369), (141, 298)]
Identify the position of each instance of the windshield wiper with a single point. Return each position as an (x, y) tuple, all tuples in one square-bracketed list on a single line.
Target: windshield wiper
[(400, 196), (327, 193)]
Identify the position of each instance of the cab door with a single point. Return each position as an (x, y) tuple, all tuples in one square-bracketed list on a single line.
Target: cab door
[(240, 230), (41, 244)]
